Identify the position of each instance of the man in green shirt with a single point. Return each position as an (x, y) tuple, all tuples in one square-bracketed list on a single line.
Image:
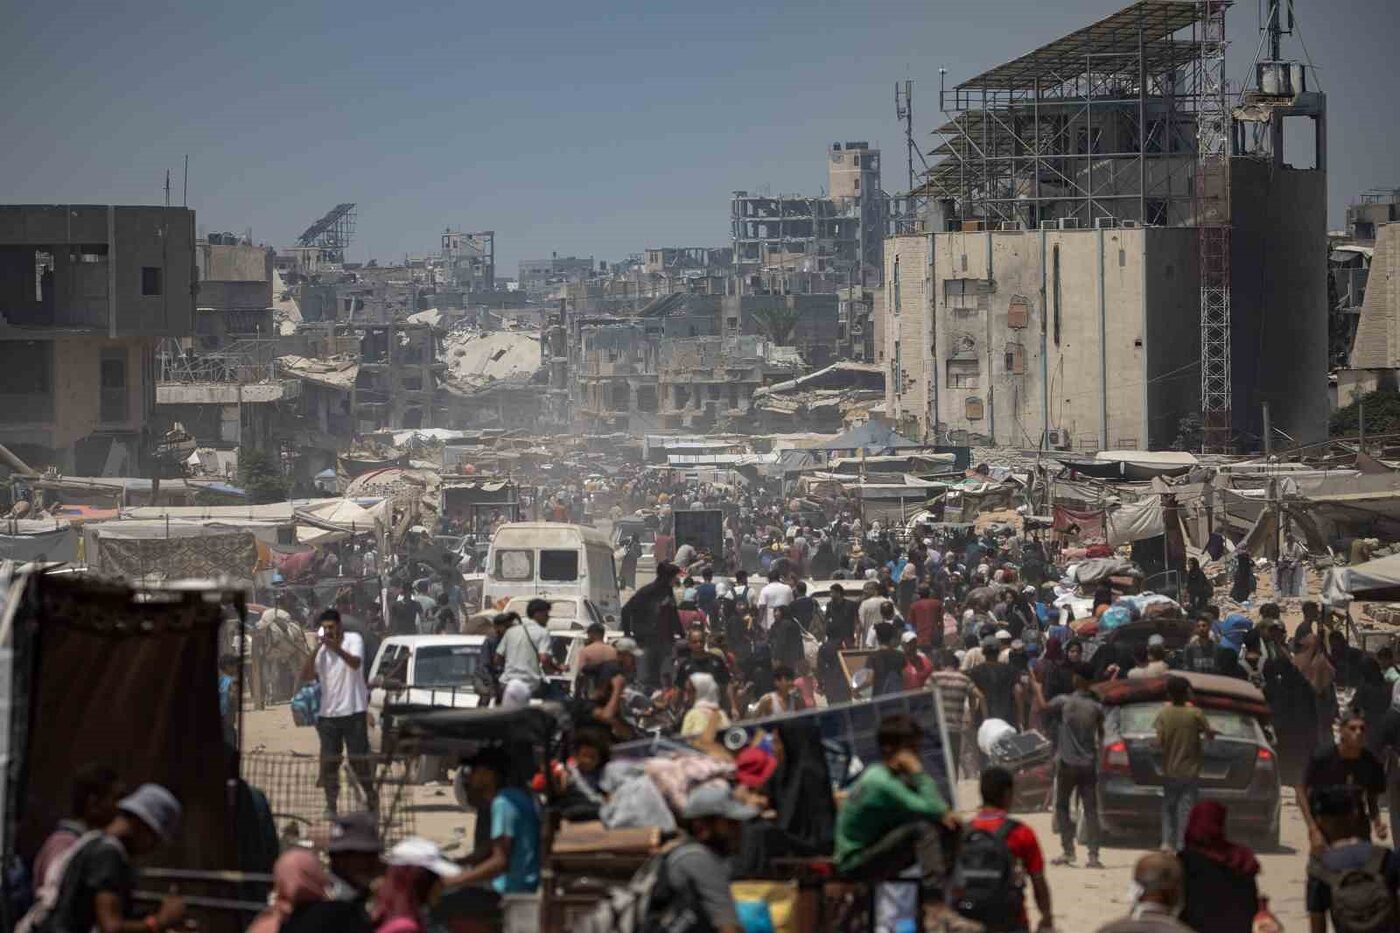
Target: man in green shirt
[(1179, 728), (894, 813)]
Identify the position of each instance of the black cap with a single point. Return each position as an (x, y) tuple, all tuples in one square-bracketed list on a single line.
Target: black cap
[(355, 832)]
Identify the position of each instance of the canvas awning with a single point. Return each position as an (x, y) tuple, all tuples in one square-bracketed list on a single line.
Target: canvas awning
[(1377, 579)]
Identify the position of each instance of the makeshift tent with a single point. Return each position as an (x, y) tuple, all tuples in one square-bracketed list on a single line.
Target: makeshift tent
[(1377, 579), (171, 550), (871, 438), (1135, 521), (23, 540)]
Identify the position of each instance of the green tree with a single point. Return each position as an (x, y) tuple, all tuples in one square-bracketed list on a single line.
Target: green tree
[(777, 322), (1382, 415), (261, 477)]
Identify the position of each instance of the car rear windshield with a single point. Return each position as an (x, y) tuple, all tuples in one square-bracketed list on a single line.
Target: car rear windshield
[(1138, 718), (446, 665)]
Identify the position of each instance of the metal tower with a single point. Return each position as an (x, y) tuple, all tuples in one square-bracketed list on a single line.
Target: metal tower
[(331, 233), (1212, 209)]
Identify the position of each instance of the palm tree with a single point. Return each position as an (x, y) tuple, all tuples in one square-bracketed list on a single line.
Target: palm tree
[(777, 322)]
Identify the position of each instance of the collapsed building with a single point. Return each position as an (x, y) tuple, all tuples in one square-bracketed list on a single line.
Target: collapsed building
[(791, 244), (630, 380), (1055, 297)]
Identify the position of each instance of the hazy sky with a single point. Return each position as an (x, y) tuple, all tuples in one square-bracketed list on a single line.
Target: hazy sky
[(583, 128)]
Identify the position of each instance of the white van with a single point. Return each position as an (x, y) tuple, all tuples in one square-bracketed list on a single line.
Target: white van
[(551, 559)]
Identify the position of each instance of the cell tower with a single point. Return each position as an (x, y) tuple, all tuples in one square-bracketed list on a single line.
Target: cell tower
[(332, 233), (1212, 210), (909, 214)]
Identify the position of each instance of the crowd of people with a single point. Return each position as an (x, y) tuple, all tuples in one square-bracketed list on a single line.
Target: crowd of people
[(803, 608)]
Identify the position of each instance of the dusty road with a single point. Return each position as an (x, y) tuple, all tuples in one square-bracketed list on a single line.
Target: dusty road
[(1083, 898)]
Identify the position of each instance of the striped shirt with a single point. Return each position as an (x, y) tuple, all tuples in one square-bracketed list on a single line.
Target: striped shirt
[(953, 688)]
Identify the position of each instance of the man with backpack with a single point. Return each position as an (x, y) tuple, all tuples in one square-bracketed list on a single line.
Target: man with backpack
[(691, 890), (1351, 880), (91, 886), (894, 812), (995, 854)]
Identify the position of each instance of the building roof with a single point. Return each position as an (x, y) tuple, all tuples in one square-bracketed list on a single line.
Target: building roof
[(480, 358), (335, 373), (869, 436), (1151, 22)]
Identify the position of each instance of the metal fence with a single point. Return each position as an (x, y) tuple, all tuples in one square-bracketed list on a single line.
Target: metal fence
[(300, 809)]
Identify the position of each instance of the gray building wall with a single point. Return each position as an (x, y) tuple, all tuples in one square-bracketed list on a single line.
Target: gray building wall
[(100, 258), (1278, 295), (1085, 338)]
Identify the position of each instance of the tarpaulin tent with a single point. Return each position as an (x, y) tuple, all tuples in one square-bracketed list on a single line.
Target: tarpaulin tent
[(871, 438), (23, 540), (1377, 579)]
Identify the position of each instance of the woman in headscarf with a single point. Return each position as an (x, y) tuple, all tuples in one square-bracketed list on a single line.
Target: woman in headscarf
[(1220, 894), (1371, 700), (299, 905), (1198, 588), (1314, 665), (1244, 576), (704, 719)]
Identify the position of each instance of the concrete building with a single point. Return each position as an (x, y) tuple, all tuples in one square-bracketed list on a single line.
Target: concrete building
[(234, 299), (855, 323), (1375, 207), (794, 244), (1375, 358), (469, 260), (539, 276), (631, 380), (87, 292), (1072, 338), (1061, 298), (400, 368)]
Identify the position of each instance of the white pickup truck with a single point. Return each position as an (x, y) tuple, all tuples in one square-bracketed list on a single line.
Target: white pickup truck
[(423, 672)]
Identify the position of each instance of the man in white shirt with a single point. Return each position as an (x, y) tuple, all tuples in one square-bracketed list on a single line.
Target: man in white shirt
[(775, 593), (339, 664), (868, 613), (524, 648)]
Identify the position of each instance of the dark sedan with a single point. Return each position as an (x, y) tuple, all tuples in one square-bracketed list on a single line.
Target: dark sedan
[(1240, 769)]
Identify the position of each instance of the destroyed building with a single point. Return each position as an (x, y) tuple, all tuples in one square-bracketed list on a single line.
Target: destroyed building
[(1349, 269), (87, 293), (794, 244), (1056, 296), (631, 380), (234, 299)]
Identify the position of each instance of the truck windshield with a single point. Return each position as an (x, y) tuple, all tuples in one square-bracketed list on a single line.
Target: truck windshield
[(446, 665)]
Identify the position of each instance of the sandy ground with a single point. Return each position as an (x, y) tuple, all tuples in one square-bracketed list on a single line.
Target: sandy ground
[(1083, 898)]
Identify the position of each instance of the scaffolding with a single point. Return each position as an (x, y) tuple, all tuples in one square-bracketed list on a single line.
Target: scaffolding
[(1096, 128), (1213, 134), (332, 233)]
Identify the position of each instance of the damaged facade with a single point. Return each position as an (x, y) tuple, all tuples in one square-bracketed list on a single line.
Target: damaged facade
[(629, 380), (1057, 288), (87, 293)]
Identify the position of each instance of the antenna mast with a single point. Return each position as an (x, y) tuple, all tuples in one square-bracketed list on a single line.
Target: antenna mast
[(908, 219)]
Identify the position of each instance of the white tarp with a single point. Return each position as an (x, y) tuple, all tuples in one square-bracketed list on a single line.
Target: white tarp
[(1136, 521), (1149, 457), (351, 517), (1343, 584)]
